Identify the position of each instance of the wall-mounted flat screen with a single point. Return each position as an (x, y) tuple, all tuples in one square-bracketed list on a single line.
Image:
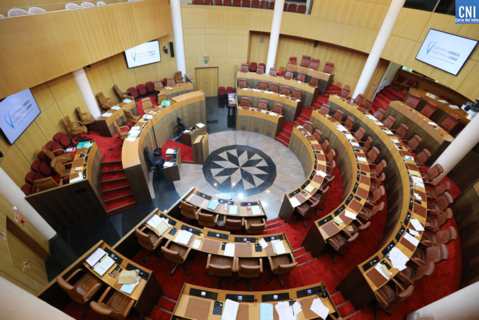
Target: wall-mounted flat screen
[(17, 112), (445, 51), (145, 53)]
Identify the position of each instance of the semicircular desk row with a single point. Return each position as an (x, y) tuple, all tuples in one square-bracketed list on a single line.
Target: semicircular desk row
[(406, 217), (152, 131)]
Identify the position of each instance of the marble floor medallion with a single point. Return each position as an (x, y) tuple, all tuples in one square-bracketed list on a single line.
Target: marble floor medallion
[(239, 169)]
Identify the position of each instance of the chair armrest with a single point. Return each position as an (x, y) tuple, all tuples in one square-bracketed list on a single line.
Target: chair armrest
[(72, 275), (64, 285), (101, 308), (104, 294)]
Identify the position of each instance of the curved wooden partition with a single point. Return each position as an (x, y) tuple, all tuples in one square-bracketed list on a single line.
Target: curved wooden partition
[(259, 121), (407, 205), (324, 78), (155, 128), (291, 106), (357, 177), (312, 158), (197, 302), (252, 78)]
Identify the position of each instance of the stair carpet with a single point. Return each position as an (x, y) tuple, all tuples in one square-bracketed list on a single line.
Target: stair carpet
[(385, 96), (115, 189)]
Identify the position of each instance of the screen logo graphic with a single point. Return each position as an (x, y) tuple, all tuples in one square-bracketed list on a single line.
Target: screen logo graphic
[(467, 11)]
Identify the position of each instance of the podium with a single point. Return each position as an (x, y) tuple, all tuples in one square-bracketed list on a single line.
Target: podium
[(189, 135), (200, 148)]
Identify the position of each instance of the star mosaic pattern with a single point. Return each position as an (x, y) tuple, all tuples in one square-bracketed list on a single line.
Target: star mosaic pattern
[(240, 169)]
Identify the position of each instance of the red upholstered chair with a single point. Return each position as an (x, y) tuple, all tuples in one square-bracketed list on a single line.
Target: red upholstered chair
[(412, 101), (245, 102), (284, 90), (288, 75), (301, 77), (448, 123), (314, 64), (296, 94), (368, 144), (338, 115), (277, 108), (326, 145), (244, 67), (433, 173), (270, 4), (141, 88), (389, 122), (349, 123), (218, 2), (422, 157), (305, 61), (132, 92), (253, 66), (62, 139), (429, 109), (31, 176), (222, 97), (402, 131), (292, 7), (27, 188), (313, 82), (273, 87), (150, 87), (246, 3), (230, 90), (433, 192), (444, 236), (242, 83), (255, 4), (262, 104), (228, 3), (360, 134), (414, 142), (262, 85), (379, 114), (346, 92), (236, 3), (261, 68), (329, 67), (324, 110), (373, 155), (293, 60), (301, 8), (378, 169), (280, 72)]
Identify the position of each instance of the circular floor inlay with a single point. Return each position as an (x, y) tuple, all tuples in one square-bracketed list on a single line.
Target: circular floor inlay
[(240, 169)]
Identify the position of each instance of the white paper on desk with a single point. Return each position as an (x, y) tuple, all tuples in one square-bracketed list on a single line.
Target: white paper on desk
[(278, 246), (388, 132), (318, 307), (200, 125), (395, 140), (362, 159), (321, 173), (417, 225), (398, 258), (350, 214), (147, 116), (284, 311), (105, 263), (263, 243), (411, 239), (355, 144), (76, 179), (130, 139), (309, 188), (196, 244), (383, 270), (371, 117), (230, 310), (158, 224), (170, 151), (168, 164), (230, 249), (266, 311), (408, 158), (413, 232), (349, 136), (256, 210), (128, 288), (294, 201), (418, 181), (106, 114), (117, 107), (338, 220), (183, 237), (126, 100), (233, 209), (341, 127), (433, 124), (417, 196), (297, 308), (95, 256)]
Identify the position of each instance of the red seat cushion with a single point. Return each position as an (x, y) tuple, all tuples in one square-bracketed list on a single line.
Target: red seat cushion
[(55, 147), (27, 188), (63, 139), (45, 169), (32, 176)]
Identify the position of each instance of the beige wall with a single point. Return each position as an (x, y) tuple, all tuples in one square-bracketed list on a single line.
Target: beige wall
[(48, 5)]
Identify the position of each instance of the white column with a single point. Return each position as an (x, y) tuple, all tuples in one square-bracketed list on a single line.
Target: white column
[(16, 197), (460, 146), (18, 304), (378, 46), (87, 92), (178, 36), (460, 305), (274, 35)]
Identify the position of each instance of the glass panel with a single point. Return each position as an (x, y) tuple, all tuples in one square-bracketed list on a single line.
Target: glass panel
[(427, 5), (446, 7)]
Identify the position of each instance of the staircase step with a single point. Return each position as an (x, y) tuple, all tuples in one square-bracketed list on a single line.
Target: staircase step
[(114, 185), (120, 204), (286, 143), (166, 304), (113, 176), (111, 167), (116, 194)]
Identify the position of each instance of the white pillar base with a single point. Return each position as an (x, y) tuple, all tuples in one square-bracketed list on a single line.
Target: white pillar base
[(83, 84), (10, 191)]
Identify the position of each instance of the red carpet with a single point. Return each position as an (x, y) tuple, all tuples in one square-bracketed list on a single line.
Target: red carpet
[(186, 152)]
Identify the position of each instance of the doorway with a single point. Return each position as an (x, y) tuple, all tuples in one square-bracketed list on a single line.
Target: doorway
[(207, 80)]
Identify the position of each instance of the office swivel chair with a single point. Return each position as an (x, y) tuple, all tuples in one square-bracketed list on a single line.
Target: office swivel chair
[(80, 286), (153, 159), (113, 304)]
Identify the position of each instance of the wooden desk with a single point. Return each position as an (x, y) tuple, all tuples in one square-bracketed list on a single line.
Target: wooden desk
[(260, 121), (311, 155), (291, 107), (224, 207), (357, 175), (433, 136), (179, 88), (212, 241), (252, 78), (154, 129), (406, 183), (81, 203), (443, 106), (325, 79), (196, 302)]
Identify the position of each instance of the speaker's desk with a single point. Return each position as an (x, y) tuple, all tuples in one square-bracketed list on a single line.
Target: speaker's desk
[(252, 78), (151, 132), (196, 302), (179, 88)]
